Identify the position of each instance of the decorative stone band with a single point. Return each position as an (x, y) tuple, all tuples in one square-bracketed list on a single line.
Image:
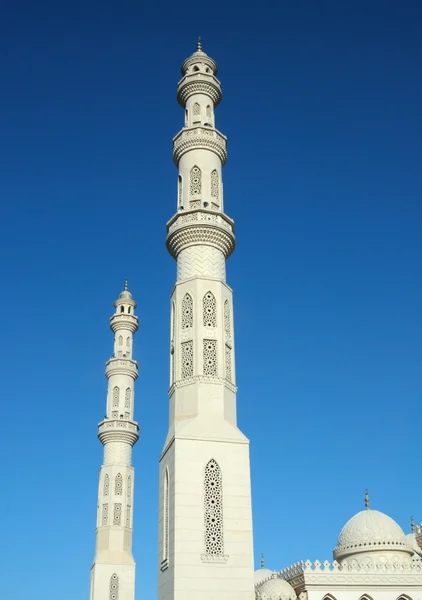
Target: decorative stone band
[(121, 366), (199, 84), (199, 215), (341, 551), (190, 233), (124, 322), (202, 379), (204, 138), (297, 571), (215, 558), (118, 431)]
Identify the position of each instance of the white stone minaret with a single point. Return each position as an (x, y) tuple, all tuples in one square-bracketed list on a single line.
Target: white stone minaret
[(113, 570), (205, 516)]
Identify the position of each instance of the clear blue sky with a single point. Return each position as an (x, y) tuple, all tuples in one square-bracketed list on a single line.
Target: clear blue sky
[(322, 108)]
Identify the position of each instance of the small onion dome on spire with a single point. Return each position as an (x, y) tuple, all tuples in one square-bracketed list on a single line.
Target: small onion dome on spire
[(125, 295), (192, 64)]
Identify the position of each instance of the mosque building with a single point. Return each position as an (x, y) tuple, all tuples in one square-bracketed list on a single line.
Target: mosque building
[(205, 546)]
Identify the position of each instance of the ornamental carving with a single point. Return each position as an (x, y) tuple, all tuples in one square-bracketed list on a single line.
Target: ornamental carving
[(213, 510), (188, 88), (199, 138), (209, 235), (114, 587)]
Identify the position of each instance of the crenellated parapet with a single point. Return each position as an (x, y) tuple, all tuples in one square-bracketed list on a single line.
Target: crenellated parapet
[(304, 574)]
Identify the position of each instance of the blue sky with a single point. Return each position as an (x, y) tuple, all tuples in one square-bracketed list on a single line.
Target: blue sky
[(321, 106)]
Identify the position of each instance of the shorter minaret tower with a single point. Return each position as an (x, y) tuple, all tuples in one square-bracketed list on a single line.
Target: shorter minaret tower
[(113, 570)]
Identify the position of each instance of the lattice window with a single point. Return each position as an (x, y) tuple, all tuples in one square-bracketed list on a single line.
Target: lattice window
[(227, 320), (129, 488), (228, 356), (195, 181), (117, 515), (106, 485), (187, 359), (116, 395), (118, 484), (179, 191), (215, 185), (187, 311), (128, 516), (210, 357), (114, 587), (128, 397), (209, 310), (196, 110), (213, 509), (166, 516), (104, 519)]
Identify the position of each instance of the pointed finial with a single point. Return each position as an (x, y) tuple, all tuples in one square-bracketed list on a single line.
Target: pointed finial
[(126, 285), (262, 561), (412, 525), (199, 46), (366, 500)]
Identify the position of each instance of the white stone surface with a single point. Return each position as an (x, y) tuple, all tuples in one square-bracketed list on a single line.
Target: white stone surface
[(204, 467), (113, 570)]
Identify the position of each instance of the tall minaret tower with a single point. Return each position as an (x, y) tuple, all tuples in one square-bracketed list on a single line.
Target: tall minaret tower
[(113, 570), (205, 516)]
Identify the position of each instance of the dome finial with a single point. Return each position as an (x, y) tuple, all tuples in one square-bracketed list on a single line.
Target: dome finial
[(366, 500), (412, 525), (262, 561), (126, 285), (199, 45)]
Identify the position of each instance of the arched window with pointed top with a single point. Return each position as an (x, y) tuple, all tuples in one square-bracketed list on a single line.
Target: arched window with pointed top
[(215, 187), (213, 510), (366, 597), (195, 181), (128, 398), (118, 484), (166, 516), (116, 396), (179, 191), (196, 109), (329, 597), (120, 340), (187, 311), (114, 587), (209, 310), (404, 597), (106, 485)]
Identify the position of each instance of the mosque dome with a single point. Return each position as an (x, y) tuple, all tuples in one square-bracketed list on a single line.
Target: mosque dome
[(262, 575), (369, 531), (276, 589)]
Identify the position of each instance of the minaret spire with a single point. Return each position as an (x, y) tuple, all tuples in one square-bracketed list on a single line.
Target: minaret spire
[(199, 46), (366, 500), (113, 570), (205, 496)]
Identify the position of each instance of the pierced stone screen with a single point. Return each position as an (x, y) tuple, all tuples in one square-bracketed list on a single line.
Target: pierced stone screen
[(213, 509)]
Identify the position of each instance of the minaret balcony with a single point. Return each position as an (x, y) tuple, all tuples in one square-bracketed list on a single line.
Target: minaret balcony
[(200, 226), (202, 138), (124, 321), (199, 83), (116, 430), (122, 366)]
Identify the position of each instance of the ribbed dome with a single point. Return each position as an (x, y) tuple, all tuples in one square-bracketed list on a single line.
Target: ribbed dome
[(262, 575), (276, 589), (368, 531)]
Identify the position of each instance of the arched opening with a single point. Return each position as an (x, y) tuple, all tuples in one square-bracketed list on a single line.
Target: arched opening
[(122, 309)]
